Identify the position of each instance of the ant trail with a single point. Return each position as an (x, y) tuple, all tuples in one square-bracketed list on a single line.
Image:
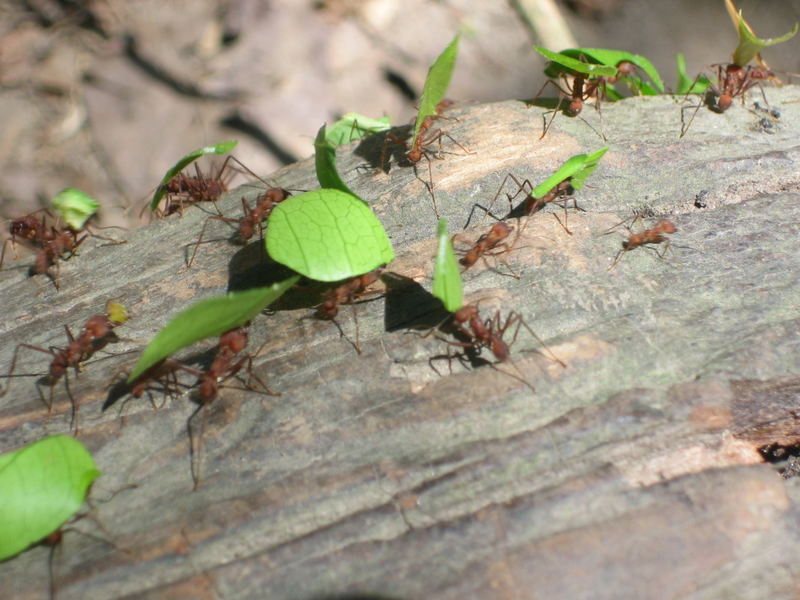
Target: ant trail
[(97, 332)]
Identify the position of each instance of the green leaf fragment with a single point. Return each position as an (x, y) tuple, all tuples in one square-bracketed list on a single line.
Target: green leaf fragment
[(327, 235), (436, 84), (41, 486), (447, 285), (561, 63), (221, 148), (325, 162), (74, 207), (576, 168), (750, 45), (686, 85), (354, 126), (612, 58), (208, 318)]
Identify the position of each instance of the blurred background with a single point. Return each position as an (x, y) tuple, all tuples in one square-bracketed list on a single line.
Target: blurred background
[(106, 95)]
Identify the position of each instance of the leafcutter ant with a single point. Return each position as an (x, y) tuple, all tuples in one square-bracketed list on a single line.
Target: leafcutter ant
[(732, 82), (347, 293), (97, 332), (251, 221), (51, 243), (475, 334), (226, 364), (185, 190), (654, 235), (492, 243)]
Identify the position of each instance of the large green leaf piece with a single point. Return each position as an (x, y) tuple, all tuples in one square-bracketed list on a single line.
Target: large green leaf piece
[(749, 45), (354, 126), (447, 285), (612, 58), (578, 168), (74, 207), (325, 162), (561, 63), (327, 235), (208, 318), (436, 84), (41, 486), (221, 148)]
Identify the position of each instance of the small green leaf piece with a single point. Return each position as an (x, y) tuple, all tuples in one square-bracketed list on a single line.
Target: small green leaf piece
[(74, 207), (685, 84), (354, 126), (576, 168), (447, 285), (327, 235), (221, 148), (41, 486), (749, 45), (436, 84), (208, 318), (561, 63), (325, 162), (612, 58)]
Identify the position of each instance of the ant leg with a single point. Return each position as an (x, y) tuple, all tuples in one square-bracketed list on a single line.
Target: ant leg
[(202, 233), (522, 323), (196, 448), (14, 363), (616, 258)]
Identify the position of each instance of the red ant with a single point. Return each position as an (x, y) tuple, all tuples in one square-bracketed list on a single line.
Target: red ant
[(560, 194), (732, 82), (486, 243), (52, 243), (347, 293), (185, 190), (253, 217), (224, 366), (425, 137), (654, 235), (97, 332), (488, 333)]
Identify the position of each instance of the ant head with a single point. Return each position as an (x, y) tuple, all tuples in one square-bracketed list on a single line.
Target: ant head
[(575, 107), (235, 340), (626, 67), (414, 156), (99, 326), (276, 195), (724, 102), (501, 229), (246, 230), (666, 226)]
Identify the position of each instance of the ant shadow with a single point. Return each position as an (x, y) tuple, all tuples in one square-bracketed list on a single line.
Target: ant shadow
[(409, 305), (251, 267), (383, 148)]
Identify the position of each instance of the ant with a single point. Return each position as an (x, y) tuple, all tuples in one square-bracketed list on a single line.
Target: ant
[(560, 194), (347, 293), (184, 190), (486, 243), (52, 243), (161, 378), (477, 334), (253, 217), (97, 332), (732, 81), (426, 137), (654, 235), (225, 365)]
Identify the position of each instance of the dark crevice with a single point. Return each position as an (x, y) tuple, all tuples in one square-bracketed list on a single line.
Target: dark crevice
[(239, 123), (158, 73)]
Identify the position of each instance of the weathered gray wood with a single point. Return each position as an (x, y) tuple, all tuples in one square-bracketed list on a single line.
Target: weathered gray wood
[(631, 473)]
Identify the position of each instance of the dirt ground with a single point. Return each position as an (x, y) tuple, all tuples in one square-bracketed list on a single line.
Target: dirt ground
[(106, 95)]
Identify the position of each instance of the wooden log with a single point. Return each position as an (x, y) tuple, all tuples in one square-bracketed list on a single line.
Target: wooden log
[(633, 472)]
